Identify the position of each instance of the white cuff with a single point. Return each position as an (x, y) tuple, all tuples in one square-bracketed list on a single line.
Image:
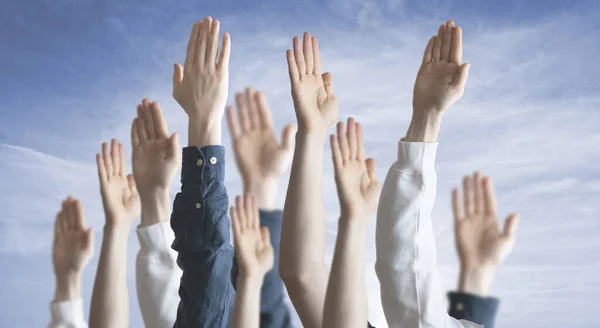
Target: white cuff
[(69, 313), (156, 238), (416, 157)]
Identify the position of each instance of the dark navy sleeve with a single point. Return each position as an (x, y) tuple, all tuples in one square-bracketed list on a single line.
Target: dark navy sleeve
[(477, 309), (274, 312), (201, 226)]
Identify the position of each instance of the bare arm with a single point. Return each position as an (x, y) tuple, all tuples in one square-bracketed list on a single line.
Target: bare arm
[(302, 255)]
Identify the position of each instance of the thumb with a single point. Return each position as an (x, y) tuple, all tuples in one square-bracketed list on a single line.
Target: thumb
[(328, 83), (463, 75), (173, 151), (266, 237), (177, 77), (89, 239), (510, 226), (287, 136)]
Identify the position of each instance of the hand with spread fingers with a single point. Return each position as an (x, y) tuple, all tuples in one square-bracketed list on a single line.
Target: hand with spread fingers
[(355, 178), (119, 194), (71, 251), (201, 85), (441, 78), (315, 102), (480, 243), (259, 157)]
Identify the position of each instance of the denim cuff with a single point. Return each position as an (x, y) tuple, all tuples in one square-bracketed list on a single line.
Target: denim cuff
[(474, 308), (201, 165)]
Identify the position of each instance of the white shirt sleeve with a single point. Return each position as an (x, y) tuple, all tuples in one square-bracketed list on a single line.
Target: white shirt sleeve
[(411, 288), (157, 276), (67, 314)]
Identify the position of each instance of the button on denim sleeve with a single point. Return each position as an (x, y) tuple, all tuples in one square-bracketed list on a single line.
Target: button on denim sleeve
[(274, 312), (201, 228), (477, 309)]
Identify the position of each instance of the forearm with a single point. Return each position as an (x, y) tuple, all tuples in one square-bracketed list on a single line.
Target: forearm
[(67, 307), (68, 287), (157, 276), (204, 132), (264, 192), (346, 300), (247, 303), (156, 206), (110, 302), (302, 263), (475, 281)]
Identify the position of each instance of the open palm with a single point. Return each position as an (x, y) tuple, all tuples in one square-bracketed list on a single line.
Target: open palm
[(441, 78), (479, 241), (314, 99), (252, 244), (258, 155), (155, 155), (73, 243)]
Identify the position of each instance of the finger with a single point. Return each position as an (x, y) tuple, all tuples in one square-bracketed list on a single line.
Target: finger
[(510, 226), (462, 76), (141, 124), (232, 123), (428, 51), (292, 67), (287, 137), (213, 46), (131, 185), (239, 207), (360, 142), (202, 42), (240, 101), (57, 225), (135, 138), (343, 142), (69, 211), (456, 207), (371, 169), (254, 210), (447, 43), (248, 211), (160, 125), (263, 110), (223, 65), (64, 220), (234, 221), (177, 77), (478, 193), (351, 137), (317, 70), (336, 153), (174, 147), (148, 119), (102, 175), (190, 55), (489, 199), (328, 83), (299, 55), (79, 219), (107, 160), (122, 165), (467, 195), (266, 236), (253, 114), (437, 45), (308, 53), (456, 51)]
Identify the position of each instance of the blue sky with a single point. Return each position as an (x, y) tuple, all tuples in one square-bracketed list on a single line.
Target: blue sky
[(73, 72)]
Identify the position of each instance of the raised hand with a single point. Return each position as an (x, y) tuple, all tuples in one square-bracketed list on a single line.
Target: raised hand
[(252, 243), (200, 86), (156, 155), (73, 243), (314, 100), (258, 155), (441, 78), (480, 243), (355, 178), (119, 195)]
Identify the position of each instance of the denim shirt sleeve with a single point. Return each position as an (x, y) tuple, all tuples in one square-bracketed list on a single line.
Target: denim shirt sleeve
[(274, 312), (201, 228), (477, 309)]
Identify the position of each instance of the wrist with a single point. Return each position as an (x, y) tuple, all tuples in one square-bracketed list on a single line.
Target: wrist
[(264, 192), (203, 133), (253, 280), (68, 286), (156, 207), (475, 281), (353, 223), (311, 134), (424, 126), (118, 231)]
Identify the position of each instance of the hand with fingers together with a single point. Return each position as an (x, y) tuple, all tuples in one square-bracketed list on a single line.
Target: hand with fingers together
[(441, 78), (355, 178), (201, 85), (119, 194), (72, 249), (315, 102), (156, 155), (259, 157), (480, 243)]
